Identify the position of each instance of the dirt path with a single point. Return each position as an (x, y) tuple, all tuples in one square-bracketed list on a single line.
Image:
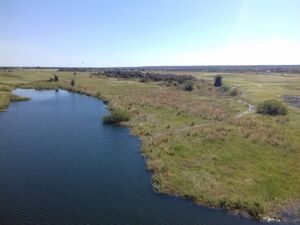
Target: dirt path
[(251, 108)]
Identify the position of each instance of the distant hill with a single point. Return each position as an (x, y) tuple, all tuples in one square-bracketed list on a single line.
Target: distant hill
[(252, 68)]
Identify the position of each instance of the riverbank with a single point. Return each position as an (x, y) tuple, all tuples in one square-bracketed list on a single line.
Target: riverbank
[(194, 144)]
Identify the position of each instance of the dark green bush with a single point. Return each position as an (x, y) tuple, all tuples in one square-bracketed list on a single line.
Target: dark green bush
[(225, 88), (55, 78), (116, 117), (272, 107), (188, 87), (72, 83)]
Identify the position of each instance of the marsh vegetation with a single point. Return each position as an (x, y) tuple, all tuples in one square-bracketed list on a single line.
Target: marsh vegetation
[(193, 141)]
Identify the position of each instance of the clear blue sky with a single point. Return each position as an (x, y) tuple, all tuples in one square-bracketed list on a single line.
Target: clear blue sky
[(149, 32)]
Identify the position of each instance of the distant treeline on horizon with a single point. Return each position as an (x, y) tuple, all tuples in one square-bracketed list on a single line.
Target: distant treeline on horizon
[(252, 68)]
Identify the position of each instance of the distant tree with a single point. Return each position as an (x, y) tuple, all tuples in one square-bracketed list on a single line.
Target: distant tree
[(72, 83), (55, 78), (218, 81)]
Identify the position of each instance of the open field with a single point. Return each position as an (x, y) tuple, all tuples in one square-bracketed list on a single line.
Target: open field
[(194, 142)]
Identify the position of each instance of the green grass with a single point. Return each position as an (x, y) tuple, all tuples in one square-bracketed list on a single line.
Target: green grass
[(194, 144)]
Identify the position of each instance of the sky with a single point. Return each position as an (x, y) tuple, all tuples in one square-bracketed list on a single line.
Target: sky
[(113, 33)]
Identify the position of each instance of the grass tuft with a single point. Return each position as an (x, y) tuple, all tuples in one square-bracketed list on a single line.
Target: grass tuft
[(116, 116)]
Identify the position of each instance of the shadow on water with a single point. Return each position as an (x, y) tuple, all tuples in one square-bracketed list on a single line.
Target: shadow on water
[(60, 165)]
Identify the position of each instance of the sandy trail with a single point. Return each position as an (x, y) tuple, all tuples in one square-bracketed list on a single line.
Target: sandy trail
[(251, 108)]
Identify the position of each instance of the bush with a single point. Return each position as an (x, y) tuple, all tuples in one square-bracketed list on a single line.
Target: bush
[(225, 88), (144, 80), (55, 78), (272, 107), (116, 117), (188, 87), (233, 91)]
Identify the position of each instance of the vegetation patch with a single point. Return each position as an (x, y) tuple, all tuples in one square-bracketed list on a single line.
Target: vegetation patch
[(272, 107), (116, 116), (188, 87), (16, 98), (233, 91), (6, 98), (127, 74)]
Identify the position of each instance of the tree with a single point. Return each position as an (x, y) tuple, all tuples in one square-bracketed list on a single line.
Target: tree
[(218, 81), (72, 83)]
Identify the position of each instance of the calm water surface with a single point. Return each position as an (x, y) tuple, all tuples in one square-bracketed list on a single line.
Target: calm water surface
[(59, 165)]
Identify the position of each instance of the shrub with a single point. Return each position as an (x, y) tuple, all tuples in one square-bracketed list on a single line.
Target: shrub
[(55, 78), (218, 81), (272, 107), (233, 91), (116, 117), (188, 87), (225, 88), (144, 80)]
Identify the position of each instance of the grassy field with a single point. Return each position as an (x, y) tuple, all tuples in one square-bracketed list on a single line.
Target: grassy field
[(194, 142)]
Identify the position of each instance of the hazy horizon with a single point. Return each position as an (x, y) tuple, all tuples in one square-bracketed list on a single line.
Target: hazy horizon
[(155, 66), (149, 33)]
